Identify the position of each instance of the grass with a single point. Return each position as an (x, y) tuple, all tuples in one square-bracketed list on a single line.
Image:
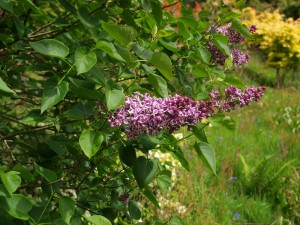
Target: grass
[(258, 71), (228, 199)]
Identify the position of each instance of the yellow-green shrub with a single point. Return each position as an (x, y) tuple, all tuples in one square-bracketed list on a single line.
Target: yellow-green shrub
[(278, 38)]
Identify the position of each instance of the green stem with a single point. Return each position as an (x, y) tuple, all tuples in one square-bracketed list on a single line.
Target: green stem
[(49, 200), (71, 67), (189, 134)]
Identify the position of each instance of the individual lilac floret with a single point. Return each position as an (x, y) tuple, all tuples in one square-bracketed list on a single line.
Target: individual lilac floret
[(143, 114), (252, 29)]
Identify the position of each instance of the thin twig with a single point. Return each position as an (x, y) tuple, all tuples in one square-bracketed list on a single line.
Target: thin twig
[(87, 209), (13, 120), (190, 134), (42, 34), (167, 6), (27, 16), (9, 149), (58, 32), (47, 25), (34, 129), (85, 177)]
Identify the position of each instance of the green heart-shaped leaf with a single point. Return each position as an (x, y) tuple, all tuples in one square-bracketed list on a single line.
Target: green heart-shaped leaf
[(144, 170), (90, 142)]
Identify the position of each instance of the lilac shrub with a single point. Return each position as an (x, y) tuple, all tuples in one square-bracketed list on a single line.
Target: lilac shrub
[(143, 114), (234, 38)]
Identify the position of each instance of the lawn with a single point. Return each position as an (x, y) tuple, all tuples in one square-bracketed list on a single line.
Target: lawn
[(257, 167)]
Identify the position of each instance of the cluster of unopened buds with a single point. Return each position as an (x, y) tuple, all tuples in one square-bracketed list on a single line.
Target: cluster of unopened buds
[(234, 38), (143, 114)]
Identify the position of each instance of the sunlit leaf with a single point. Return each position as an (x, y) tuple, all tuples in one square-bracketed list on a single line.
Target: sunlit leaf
[(122, 33), (66, 208), (7, 5), (110, 49), (151, 197), (204, 54), (207, 155), (4, 87), (17, 206), (163, 63), (176, 220), (221, 42), (48, 174), (90, 142), (98, 220), (53, 93), (164, 182), (241, 28), (169, 45), (11, 180), (50, 47), (159, 84), (84, 60), (114, 99)]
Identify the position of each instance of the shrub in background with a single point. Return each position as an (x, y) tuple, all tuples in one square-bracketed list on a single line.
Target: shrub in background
[(289, 115), (278, 38)]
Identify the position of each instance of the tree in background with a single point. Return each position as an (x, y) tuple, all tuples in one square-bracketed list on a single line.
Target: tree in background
[(290, 8), (278, 38)]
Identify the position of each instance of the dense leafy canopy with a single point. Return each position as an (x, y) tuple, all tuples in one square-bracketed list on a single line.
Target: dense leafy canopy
[(65, 65)]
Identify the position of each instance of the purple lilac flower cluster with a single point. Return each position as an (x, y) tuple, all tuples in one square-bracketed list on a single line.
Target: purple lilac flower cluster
[(234, 37), (143, 114), (235, 96), (239, 57)]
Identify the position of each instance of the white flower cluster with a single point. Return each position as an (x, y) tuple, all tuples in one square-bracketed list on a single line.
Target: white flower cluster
[(168, 161), (166, 200), (167, 204)]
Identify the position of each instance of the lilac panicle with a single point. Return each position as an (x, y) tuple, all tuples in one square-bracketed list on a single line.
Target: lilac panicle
[(234, 37), (143, 114), (239, 57), (219, 57), (236, 96)]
